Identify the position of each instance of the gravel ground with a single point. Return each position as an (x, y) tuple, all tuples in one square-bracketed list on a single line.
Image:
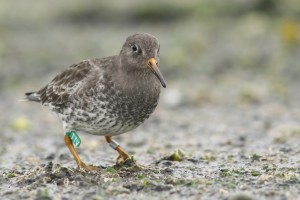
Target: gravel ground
[(227, 126), (213, 152)]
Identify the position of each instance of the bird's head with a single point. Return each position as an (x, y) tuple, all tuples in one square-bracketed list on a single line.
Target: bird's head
[(140, 51)]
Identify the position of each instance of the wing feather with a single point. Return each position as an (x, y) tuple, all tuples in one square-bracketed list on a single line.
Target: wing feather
[(64, 85)]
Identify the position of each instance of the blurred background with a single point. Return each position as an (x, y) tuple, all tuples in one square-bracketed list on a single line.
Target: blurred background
[(231, 53), (246, 47)]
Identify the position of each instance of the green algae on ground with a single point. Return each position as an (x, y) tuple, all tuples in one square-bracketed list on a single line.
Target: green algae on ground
[(255, 173), (110, 170), (255, 157), (43, 194), (177, 155), (11, 175)]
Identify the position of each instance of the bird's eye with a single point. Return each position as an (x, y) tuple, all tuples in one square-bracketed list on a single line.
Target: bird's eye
[(135, 48)]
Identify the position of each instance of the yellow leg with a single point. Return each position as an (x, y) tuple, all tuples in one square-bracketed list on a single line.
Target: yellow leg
[(122, 154), (81, 165)]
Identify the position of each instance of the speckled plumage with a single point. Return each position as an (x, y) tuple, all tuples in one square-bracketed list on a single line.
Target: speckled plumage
[(107, 96)]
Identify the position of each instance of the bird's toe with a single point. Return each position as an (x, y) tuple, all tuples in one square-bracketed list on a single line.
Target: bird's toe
[(87, 168)]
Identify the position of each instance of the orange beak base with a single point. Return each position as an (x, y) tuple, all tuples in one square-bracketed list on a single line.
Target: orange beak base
[(151, 63)]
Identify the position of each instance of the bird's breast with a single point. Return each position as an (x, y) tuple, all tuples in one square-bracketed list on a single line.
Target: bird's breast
[(135, 106), (113, 109)]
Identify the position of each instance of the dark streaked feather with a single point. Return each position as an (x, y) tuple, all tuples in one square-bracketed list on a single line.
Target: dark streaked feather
[(58, 91), (32, 96)]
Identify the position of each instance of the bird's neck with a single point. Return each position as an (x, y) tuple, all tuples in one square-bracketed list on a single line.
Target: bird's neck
[(136, 79), (134, 76)]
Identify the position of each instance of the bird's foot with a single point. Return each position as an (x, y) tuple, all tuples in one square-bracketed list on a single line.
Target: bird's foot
[(129, 164), (87, 168), (121, 159), (130, 161)]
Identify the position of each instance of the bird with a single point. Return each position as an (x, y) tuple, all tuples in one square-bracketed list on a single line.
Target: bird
[(106, 96)]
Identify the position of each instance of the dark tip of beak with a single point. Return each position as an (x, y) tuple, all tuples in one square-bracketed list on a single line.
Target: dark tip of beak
[(161, 78), (151, 63)]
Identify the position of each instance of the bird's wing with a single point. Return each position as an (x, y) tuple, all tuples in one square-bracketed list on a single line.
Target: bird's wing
[(64, 85)]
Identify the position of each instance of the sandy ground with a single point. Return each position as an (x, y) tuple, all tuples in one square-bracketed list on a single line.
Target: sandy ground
[(226, 152)]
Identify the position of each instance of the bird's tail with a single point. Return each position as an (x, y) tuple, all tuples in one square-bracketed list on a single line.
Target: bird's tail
[(32, 96)]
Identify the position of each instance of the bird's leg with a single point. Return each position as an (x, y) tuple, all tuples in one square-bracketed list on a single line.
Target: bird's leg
[(81, 165), (122, 154)]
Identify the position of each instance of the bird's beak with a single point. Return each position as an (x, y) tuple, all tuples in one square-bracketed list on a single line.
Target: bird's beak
[(151, 63)]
